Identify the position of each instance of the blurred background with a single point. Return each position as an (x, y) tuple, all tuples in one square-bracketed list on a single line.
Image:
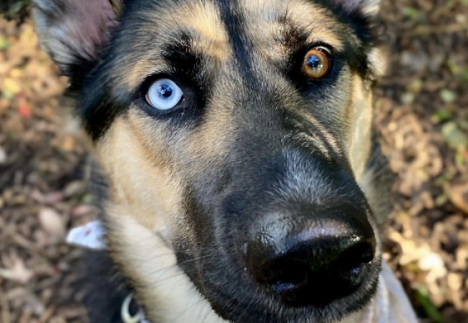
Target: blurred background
[(421, 112)]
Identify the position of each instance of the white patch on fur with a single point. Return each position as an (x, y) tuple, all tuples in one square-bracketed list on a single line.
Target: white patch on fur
[(372, 7), (378, 62), (367, 7), (167, 294)]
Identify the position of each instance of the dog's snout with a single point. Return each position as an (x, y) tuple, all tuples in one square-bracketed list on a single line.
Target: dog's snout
[(309, 261)]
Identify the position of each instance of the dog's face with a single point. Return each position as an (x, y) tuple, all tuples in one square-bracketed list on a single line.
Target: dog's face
[(238, 132)]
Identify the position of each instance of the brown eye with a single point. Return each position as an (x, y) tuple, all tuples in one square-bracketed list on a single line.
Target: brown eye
[(317, 64)]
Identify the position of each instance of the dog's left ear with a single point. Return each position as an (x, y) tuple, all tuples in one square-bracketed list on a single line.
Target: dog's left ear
[(74, 32), (369, 8)]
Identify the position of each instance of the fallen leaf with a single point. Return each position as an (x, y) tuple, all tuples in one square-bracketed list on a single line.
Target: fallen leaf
[(459, 197), (407, 98), (11, 86), (415, 86), (53, 224), (25, 111), (454, 136), (448, 96), (16, 73), (4, 43), (18, 272), (455, 281), (442, 115), (433, 264), (49, 198), (82, 210), (68, 143), (411, 12), (416, 62), (3, 156), (74, 188)]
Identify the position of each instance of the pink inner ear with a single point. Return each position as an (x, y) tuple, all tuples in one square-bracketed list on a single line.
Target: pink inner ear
[(86, 24)]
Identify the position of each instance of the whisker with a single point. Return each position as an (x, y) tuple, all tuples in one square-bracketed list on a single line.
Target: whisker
[(179, 263), (153, 283), (167, 254), (185, 311)]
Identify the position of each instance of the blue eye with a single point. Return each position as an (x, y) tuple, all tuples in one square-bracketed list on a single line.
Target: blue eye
[(164, 94)]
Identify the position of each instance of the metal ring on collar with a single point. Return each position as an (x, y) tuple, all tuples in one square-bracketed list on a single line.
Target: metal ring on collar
[(125, 312)]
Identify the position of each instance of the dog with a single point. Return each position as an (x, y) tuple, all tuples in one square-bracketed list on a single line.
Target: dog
[(240, 178)]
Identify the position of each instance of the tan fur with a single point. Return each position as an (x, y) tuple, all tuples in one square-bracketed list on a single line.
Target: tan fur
[(117, 5), (202, 19), (151, 264), (330, 139), (266, 32), (378, 59), (140, 180), (360, 126), (209, 142), (299, 12)]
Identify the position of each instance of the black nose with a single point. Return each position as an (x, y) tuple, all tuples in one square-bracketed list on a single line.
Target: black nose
[(311, 262)]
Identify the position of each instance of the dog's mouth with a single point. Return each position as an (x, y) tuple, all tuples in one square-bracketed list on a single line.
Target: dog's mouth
[(296, 295), (290, 270)]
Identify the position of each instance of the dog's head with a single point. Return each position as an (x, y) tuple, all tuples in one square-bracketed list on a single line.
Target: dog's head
[(239, 132)]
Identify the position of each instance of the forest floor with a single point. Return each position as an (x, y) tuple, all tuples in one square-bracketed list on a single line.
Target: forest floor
[(421, 112)]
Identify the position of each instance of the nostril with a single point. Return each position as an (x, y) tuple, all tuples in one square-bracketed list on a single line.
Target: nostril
[(352, 262), (286, 277)]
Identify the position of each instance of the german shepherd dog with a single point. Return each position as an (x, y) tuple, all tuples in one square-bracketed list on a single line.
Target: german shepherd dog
[(242, 180)]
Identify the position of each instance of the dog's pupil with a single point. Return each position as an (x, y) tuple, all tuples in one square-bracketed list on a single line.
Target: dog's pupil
[(165, 91), (314, 61)]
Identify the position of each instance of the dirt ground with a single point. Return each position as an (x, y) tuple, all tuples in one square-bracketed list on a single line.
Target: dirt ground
[(421, 111)]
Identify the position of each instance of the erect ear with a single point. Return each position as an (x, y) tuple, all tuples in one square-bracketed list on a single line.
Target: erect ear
[(369, 8), (75, 30)]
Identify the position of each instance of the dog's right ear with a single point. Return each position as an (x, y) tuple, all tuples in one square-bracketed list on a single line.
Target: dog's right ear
[(75, 31)]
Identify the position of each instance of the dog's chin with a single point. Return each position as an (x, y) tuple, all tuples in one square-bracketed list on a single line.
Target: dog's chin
[(246, 305)]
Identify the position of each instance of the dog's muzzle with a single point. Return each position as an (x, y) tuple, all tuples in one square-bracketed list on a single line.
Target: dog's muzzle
[(313, 258)]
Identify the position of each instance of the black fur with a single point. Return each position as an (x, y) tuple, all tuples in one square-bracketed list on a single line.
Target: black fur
[(105, 289)]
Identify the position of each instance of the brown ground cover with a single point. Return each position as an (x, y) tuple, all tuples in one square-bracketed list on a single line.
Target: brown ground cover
[(422, 113)]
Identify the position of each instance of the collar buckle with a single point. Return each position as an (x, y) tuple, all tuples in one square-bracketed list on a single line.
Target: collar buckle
[(127, 317)]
